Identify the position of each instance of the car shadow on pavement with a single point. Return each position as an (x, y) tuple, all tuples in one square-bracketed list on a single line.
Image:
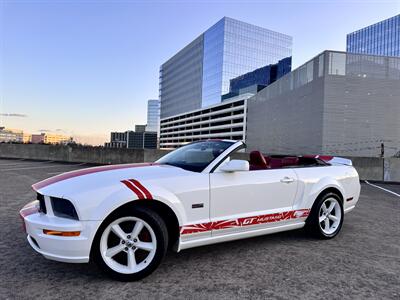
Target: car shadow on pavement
[(43, 269)]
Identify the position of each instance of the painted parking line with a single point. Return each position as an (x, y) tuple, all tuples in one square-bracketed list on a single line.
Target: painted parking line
[(43, 167), (379, 187)]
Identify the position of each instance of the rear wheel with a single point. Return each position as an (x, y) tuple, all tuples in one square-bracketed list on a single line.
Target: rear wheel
[(131, 244), (326, 217)]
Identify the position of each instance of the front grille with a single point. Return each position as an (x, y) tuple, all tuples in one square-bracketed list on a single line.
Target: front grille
[(63, 208), (42, 204)]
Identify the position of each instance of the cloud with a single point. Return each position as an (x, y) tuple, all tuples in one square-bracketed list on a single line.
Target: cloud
[(13, 115)]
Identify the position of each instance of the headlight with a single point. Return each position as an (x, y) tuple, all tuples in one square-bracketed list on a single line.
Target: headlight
[(63, 208)]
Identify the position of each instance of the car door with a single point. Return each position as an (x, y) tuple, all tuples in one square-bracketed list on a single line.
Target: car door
[(244, 198)]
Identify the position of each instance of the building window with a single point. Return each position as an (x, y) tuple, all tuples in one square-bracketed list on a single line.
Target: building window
[(321, 65), (337, 64)]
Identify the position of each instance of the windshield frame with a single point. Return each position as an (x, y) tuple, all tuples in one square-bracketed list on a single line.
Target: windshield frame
[(207, 168)]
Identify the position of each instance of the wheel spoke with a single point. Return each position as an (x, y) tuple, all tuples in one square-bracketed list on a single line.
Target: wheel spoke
[(131, 259), (118, 231), (331, 207), (323, 206), (137, 229), (145, 246), (326, 223), (322, 218), (114, 250), (333, 218)]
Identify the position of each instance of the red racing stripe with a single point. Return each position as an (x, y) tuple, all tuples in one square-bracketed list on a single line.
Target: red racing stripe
[(133, 189), (142, 189), (82, 172)]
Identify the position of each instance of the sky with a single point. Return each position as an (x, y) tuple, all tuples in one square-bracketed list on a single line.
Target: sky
[(86, 68)]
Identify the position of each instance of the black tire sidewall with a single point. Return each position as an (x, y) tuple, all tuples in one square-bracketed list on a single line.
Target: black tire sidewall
[(314, 225), (160, 231)]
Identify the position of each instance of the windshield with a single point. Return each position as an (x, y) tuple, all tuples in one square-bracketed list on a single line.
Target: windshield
[(196, 156)]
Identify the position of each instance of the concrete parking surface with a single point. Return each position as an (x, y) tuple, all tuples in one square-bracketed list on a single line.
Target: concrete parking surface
[(362, 262)]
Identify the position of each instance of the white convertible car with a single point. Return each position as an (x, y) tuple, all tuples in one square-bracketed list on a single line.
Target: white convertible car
[(125, 217)]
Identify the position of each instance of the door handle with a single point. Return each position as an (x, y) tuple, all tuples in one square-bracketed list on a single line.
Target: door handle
[(287, 179)]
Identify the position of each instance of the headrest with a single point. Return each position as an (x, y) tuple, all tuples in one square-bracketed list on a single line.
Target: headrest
[(256, 158)]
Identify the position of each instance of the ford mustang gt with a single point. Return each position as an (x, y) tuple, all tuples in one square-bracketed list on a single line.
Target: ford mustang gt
[(125, 217)]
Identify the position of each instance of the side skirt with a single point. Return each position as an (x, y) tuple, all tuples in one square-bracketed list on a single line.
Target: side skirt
[(202, 241)]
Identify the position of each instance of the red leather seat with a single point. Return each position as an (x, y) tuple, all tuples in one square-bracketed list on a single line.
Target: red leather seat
[(275, 163), (257, 161), (290, 161)]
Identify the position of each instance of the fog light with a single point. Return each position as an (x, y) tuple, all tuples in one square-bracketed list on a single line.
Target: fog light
[(61, 233)]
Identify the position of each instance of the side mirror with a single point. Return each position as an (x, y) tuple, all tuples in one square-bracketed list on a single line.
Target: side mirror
[(235, 165)]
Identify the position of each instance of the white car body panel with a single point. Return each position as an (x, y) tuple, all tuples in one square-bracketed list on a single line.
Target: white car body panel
[(229, 205)]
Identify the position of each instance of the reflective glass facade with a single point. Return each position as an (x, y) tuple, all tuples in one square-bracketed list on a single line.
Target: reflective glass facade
[(261, 77), (382, 38), (153, 115), (181, 80), (226, 50), (213, 64)]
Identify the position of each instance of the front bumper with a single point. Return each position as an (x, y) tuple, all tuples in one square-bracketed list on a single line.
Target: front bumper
[(73, 249)]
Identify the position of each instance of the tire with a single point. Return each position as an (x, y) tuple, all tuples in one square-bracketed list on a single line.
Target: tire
[(323, 224), (130, 244)]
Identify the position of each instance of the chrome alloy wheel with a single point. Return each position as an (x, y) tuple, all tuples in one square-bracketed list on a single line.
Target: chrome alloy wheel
[(330, 216), (128, 245)]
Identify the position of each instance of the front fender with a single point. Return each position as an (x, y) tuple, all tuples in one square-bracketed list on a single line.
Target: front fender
[(107, 199)]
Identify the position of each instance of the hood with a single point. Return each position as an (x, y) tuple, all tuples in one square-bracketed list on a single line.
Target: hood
[(97, 178)]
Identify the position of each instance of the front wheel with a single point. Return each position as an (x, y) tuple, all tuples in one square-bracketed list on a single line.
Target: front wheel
[(326, 217), (131, 244)]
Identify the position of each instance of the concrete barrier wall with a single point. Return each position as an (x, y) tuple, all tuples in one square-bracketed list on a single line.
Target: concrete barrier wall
[(95, 155), (392, 169), (369, 168)]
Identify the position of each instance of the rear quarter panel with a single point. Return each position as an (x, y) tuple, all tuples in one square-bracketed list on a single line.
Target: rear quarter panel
[(314, 180)]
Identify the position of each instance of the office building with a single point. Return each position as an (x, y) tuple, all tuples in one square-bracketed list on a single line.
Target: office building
[(153, 115), (225, 120), (140, 128), (382, 38), (50, 138), (141, 140), (26, 138), (117, 140), (254, 81), (10, 135), (138, 139), (199, 74), (337, 103)]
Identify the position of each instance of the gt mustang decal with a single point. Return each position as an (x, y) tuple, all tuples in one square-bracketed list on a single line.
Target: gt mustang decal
[(136, 187), (225, 224)]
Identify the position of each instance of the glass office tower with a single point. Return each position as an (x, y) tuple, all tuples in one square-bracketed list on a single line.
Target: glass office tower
[(153, 115), (382, 38), (199, 74)]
